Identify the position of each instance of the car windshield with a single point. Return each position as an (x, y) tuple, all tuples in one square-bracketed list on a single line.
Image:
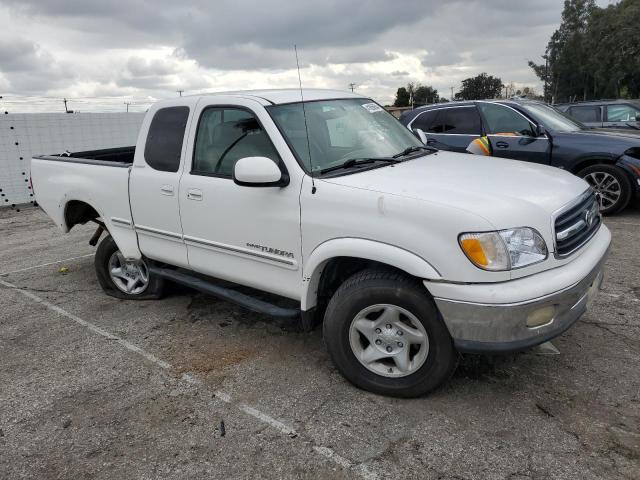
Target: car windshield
[(341, 130), (552, 119)]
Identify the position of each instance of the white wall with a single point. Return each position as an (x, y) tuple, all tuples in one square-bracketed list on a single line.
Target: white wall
[(23, 135)]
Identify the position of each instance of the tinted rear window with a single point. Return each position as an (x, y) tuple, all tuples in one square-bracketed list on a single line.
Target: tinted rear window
[(164, 139), (424, 120), (586, 114), (462, 120)]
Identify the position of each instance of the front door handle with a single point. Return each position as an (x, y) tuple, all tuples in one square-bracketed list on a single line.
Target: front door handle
[(502, 145), (166, 190), (194, 194), (431, 141)]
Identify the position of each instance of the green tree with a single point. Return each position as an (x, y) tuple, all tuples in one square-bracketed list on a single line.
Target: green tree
[(402, 98), (480, 87), (594, 53), (425, 94)]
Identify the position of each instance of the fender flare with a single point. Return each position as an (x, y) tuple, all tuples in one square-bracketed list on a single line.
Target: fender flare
[(359, 248)]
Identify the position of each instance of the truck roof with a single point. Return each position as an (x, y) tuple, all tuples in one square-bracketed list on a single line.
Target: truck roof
[(284, 95)]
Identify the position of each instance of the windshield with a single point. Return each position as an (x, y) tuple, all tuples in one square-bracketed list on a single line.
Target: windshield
[(340, 130), (552, 119)]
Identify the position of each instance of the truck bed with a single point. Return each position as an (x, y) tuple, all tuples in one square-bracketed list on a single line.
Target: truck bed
[(114, 157)]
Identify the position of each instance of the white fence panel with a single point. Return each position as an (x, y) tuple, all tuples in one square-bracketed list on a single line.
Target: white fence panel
[(23, 135)]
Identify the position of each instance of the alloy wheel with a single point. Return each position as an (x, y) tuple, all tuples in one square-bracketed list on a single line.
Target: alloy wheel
[(389, 340)]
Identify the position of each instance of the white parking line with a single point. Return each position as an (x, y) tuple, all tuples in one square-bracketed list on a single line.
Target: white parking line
[(360, 469), (47, 264)]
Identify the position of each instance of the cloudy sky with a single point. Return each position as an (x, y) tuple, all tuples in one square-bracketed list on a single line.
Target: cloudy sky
[(102, 53)]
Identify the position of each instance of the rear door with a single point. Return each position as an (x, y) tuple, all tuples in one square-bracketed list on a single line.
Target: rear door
[(455, 127), (622, 116), (512, 135), (155, 181), (590, 115)]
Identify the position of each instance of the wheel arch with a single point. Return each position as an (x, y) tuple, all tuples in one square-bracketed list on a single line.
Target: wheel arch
[(333, 260), (78, 212), (591, 160)]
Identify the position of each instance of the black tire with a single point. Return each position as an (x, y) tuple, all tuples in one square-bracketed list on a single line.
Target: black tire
[(373, 287), (105, 250), (620, 176)]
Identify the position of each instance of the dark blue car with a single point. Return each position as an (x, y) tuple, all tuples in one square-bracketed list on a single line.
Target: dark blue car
[(535, 132)]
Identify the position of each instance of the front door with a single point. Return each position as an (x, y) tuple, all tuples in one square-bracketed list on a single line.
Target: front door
[(249, 235), (512, 135)]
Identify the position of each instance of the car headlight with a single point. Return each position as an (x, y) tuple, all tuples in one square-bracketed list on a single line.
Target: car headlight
[(504, 249)]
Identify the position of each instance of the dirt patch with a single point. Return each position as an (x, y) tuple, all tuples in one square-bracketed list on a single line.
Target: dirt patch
[(214, 360)]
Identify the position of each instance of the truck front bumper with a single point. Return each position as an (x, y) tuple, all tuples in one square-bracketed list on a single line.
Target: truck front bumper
[(480, 322)]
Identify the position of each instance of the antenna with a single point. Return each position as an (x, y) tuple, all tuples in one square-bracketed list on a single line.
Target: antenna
[(306, 128)]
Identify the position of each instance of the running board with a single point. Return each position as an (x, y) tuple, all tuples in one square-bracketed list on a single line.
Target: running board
[(210, 288)]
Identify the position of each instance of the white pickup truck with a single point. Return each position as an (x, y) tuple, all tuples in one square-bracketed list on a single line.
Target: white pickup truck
[(407, 255)]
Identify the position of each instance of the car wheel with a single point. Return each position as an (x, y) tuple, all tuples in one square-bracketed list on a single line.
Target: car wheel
[(384, 333), (122, 278), (612, 185)]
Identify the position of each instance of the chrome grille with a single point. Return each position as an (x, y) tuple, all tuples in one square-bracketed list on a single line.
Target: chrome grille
[(575, 224)]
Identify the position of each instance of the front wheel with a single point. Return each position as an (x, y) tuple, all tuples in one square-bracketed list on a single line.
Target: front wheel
[(611, 183), (122, 278), (385, 335)]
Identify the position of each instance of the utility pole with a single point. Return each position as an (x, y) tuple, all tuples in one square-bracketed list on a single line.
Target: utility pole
[(180, 92), (352, 86), (452, 94), (66, 110), (127, 104)]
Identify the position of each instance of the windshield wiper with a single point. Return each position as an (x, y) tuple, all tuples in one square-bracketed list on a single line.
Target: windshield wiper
[(413, 149), (353, 162)]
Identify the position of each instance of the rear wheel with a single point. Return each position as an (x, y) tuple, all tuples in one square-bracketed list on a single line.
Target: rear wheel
[(611, 183), (122, 278), (385, 335)]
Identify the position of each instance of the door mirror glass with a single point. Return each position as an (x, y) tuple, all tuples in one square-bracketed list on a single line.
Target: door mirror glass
[(258, 172), (421, 135)]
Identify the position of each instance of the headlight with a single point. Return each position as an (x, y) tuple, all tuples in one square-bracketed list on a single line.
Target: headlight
[(505, 249)]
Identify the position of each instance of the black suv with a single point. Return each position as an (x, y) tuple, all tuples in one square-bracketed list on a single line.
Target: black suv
[(535, 132), (618, 114)]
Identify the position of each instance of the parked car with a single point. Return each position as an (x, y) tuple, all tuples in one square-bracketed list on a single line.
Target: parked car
[(618, 114), (408, 255), (535, 132)]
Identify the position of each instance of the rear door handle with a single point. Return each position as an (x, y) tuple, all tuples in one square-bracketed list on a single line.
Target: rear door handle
[(502, 145), (166, 190), (194, 194)]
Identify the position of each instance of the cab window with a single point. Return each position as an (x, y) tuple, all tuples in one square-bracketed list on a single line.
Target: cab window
[(586, 114), (461, 121), (163, 147), (424, 121), (224, 136), (501, 120), (622, 113)]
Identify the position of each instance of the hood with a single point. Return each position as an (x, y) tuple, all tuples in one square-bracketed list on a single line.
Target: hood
[(600, 140), (507, 193)]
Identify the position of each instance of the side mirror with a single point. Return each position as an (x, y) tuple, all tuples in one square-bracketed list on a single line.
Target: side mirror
[(421, 135), (259, 172), (540, 130)]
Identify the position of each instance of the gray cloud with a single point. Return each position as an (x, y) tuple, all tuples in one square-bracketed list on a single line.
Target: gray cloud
[(104, 43)]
